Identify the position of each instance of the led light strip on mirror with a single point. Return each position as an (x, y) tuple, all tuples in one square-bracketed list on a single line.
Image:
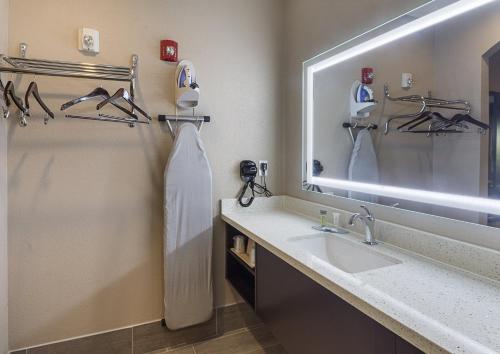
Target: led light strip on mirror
[(316, 64)]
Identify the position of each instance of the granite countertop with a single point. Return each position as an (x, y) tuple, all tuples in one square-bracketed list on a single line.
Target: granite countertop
[(433, 305)]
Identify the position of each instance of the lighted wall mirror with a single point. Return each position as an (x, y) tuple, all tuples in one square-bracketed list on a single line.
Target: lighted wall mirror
[(408, 114)]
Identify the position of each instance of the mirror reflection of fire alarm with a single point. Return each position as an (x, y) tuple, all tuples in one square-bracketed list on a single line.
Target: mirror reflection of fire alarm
[(88, 40)]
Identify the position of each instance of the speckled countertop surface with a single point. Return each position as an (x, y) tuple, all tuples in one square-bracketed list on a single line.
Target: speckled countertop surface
[(433, 305)]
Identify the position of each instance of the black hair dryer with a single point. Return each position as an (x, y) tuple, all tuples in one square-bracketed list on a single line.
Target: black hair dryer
[(248, 172)]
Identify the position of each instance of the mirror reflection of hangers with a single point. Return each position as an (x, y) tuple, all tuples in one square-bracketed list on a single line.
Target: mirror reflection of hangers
[(458, 118), (426, 103)]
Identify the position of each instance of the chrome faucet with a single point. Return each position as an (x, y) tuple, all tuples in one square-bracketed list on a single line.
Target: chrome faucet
[(369, 221)]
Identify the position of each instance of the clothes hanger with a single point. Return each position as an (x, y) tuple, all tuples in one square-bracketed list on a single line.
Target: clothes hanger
[(420, 117), (33, 90), (3, 104), (445, 122), (458, 118), (122, 93), (98, 92), (10, 91), (467, 118)]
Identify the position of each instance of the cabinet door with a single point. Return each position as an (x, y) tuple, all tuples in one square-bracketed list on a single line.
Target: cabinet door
[(307, 318), (403, 347)]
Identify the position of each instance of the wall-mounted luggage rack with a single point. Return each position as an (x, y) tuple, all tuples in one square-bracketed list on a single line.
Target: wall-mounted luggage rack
[(22, 65), (56, 68)]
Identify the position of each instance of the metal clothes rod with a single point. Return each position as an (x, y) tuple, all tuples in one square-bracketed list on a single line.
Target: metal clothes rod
[(182, 118), (354, 126), (432, 102), (106, 118)]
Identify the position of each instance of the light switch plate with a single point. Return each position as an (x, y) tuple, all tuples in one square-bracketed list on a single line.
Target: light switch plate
[(88, 40)]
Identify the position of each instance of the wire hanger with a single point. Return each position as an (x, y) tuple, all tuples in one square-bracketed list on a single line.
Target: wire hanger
[(33, 90)]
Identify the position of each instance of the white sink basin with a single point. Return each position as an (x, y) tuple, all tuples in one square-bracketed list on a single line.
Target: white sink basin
[(349, 256)]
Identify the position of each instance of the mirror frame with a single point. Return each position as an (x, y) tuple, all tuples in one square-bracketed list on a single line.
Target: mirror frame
[(425, 16)]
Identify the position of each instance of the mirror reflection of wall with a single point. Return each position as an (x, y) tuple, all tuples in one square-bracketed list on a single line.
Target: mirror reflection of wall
[(494, 151), (457, 61)]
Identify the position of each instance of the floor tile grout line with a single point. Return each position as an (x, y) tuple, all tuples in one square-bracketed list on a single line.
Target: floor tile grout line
[(216, 337), (237, 332), (262, 347)]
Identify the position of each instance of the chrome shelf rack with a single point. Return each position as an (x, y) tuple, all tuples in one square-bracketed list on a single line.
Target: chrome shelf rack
[(23, 65)]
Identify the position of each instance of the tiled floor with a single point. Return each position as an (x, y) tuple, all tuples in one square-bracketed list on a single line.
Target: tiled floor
[(233, 330), (255, 340)]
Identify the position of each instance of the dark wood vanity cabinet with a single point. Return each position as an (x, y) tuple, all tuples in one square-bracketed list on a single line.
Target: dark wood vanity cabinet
[(307, 318)]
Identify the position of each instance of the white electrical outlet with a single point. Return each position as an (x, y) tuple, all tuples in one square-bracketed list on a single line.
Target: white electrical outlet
[(407, 80), (263, 168), (88, 40)]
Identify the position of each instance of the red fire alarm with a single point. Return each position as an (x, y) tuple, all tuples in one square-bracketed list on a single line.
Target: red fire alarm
[(168, 50), (367, 76)]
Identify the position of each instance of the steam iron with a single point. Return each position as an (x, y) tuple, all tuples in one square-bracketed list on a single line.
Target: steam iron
[(187, 91), (364, 94)]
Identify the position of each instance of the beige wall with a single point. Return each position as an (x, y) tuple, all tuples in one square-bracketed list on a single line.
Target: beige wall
[(85, 214), (495, 72), (312, 27), (460, 47), (4, 24)]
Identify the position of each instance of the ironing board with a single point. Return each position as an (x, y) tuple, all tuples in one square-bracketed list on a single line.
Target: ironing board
[(188, 232)]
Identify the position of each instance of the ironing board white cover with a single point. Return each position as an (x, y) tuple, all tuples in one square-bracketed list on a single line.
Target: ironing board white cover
[(188, 232)]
